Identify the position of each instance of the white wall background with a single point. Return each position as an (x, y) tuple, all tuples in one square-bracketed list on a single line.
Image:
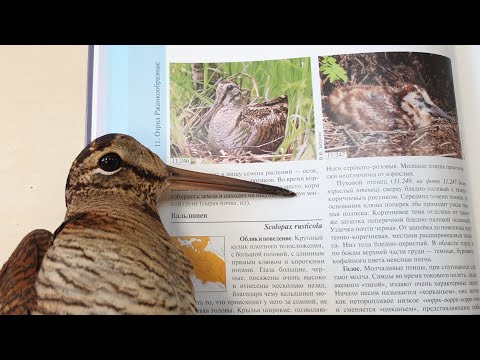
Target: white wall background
[(42, 121)]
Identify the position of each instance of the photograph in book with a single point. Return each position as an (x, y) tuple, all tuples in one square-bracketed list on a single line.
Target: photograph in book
[(207, 256), (242, 112), (389, 104)]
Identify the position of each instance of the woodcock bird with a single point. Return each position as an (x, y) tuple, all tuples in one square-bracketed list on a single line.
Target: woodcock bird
[(236, 125), (111, 255), (383, 108)]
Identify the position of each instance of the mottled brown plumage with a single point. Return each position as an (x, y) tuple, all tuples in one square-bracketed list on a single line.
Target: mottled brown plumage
[(112, 254), (383, 108), (235, 125), (18, 275)]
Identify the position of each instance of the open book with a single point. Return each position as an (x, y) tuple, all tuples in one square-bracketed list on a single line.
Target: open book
[(371, 138)]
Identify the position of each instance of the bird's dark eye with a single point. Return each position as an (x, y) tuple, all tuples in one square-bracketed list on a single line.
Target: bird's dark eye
[(110, 162), (229, 87)]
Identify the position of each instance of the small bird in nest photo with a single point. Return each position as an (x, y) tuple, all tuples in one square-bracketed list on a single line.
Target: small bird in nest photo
[(383, 108), (236, 126), (111, 254)]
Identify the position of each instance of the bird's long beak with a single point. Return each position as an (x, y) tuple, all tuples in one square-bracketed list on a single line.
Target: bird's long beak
[(181, 179), (436, 111)]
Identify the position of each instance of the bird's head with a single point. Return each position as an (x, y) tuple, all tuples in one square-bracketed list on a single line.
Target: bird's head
[(227, 93), (417, 104), (118, 166)]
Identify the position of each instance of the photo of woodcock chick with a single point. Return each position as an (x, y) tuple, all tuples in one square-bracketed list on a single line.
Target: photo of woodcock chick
[(235, 125), (383, 108), (111, 255)]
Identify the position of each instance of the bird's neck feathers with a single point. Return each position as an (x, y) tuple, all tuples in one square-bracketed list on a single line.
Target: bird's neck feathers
[(118, 203)]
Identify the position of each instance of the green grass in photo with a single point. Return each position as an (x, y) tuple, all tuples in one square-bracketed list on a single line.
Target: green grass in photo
[(192, 93)]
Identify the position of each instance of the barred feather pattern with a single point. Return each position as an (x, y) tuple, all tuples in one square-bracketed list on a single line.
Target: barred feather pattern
[(18, 274), (118, 260), (111, 254), (365, 108)]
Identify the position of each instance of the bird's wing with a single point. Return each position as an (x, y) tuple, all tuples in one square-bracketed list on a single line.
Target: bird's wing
[(273, 112), (19, 273), (268, 120)]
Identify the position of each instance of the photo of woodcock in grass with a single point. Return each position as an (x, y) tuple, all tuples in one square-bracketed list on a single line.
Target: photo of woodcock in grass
[(389, 104), (242, 112)]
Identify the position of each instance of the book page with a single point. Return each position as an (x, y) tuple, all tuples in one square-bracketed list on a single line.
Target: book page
[(367, 136), (467, 83)]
